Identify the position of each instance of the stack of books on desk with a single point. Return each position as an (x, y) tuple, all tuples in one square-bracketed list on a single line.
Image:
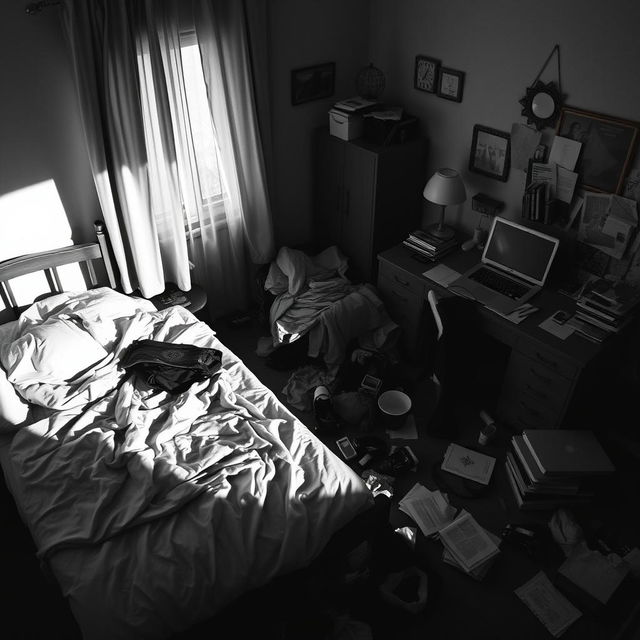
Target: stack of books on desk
[(428, 246), (551, 468), (607, 306)]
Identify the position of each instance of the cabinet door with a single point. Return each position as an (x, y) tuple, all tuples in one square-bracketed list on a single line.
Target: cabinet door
[(328, 188), (358, 208)]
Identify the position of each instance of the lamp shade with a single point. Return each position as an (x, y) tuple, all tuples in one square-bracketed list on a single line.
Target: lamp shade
[(445, 187)]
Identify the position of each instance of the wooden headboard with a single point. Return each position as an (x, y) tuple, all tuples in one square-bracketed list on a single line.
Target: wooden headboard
[(48, 261)]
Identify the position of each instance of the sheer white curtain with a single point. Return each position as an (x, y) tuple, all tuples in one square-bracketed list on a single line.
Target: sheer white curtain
[(188, 188)]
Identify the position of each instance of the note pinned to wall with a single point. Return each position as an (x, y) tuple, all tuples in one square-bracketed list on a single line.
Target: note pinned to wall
[(524, 142), (565, 152)]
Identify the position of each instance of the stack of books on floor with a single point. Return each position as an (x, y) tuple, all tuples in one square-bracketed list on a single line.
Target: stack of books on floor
[(552, 468), (428, 246), (604, 308), (468, 546)]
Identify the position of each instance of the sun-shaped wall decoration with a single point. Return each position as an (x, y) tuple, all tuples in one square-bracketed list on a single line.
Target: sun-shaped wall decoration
[(541, 105)]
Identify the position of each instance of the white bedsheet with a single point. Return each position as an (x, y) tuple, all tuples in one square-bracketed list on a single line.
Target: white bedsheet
[(154, 511)]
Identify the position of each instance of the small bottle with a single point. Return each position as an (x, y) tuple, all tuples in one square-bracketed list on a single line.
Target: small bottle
[(488, 429)]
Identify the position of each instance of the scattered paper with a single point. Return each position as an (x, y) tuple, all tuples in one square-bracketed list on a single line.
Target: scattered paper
[(607, 223), (481, 570), (548, 604), (564, 152), (407, 431), (442, 274), (595, 573), (518, 314), (561, 331), (430, 509), (524, 141), (566, 184), (468, 542)]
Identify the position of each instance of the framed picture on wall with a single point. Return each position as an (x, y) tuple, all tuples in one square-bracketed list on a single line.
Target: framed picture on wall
[(425, 77), (312, 83), (450, 83), (490, 152), (608, 145)]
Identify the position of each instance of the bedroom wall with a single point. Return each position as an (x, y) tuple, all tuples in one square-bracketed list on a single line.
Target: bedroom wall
[(501, 45), (304, 33), (40, 130)]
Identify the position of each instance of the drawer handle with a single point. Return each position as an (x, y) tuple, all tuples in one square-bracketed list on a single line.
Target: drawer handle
[(537, 392), (528, 409), (401, 281), (540, 376), (549, 363)]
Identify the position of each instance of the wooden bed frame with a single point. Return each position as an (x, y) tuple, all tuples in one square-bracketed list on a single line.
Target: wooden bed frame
[(48, 261)]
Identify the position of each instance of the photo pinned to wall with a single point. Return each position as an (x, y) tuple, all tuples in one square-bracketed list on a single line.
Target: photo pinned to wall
[(425, 76), (490, 152), (608, 145), (312, 83), (450, 84)]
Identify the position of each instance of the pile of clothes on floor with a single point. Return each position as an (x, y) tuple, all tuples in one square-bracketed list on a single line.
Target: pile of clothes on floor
[(316, 306)]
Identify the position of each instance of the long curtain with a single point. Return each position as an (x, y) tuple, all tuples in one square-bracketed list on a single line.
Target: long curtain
[(128, 61)]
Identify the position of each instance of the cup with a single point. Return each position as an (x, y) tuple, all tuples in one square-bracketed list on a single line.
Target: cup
[(487, 433), (394, 406)]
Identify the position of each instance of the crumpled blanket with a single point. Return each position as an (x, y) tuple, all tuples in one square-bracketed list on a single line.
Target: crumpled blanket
[(313, 296)]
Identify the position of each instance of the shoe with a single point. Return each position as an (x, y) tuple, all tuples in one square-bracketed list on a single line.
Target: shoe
[(400, 461), (326, 419)]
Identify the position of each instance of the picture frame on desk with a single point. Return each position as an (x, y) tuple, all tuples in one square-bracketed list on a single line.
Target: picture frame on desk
[(608, 147), (490, 152)]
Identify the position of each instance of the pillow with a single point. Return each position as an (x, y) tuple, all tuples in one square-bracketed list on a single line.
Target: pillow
[(53, 352), (14, 411)]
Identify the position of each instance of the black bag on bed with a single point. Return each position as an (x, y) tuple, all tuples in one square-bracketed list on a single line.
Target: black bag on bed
[(171, 367)]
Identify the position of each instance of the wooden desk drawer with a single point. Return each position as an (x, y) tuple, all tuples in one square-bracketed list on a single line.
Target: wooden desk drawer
[(524, 412), (527, 375), (400, 278), (551, 360), (404, 307)]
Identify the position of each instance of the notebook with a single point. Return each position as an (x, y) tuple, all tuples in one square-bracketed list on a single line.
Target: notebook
[(567, 452), (514, 266)]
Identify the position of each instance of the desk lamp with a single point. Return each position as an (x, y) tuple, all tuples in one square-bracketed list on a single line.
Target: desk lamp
[(444, 187)]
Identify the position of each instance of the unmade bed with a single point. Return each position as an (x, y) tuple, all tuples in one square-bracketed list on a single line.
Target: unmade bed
[(153, 511)]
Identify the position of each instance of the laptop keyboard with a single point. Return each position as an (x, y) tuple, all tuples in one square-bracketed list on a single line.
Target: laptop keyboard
[(499, 283)]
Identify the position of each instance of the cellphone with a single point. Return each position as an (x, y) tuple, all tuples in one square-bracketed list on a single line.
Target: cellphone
[(346, 448), (561, 316)]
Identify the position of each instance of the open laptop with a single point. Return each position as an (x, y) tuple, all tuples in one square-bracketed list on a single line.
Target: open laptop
[(515, 264)]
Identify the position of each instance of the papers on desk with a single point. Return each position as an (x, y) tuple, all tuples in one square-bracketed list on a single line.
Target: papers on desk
[(468, 463), (442, 274), (548, 604), (557, 329), (430, 509), (519, 314)]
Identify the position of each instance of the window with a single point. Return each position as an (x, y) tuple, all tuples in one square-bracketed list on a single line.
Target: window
[(202, 134)]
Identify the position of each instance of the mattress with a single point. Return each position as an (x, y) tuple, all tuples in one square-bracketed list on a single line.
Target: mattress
[(154, 511)]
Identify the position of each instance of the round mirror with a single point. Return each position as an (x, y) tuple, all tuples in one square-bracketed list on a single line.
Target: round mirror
[(541, 105)]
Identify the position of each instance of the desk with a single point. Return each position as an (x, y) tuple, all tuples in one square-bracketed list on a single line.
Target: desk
[(548, 382)]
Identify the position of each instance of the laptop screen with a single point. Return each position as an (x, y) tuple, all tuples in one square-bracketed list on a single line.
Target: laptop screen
[(519, 250)]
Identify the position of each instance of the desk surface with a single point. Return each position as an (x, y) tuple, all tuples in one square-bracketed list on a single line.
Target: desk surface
[(575, 348)]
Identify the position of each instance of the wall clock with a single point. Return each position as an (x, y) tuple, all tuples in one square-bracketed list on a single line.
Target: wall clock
[(541, 105)]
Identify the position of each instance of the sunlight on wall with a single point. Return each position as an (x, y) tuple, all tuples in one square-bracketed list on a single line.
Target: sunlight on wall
[(33, 219)]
